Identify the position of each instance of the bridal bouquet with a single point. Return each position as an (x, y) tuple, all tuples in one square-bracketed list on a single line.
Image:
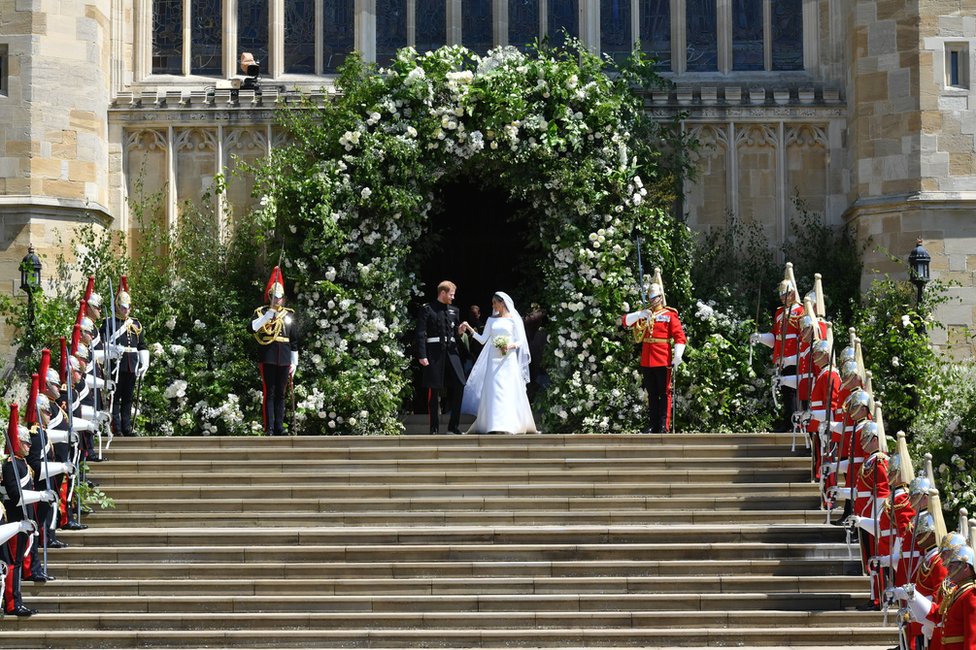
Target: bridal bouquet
[(501, 342)]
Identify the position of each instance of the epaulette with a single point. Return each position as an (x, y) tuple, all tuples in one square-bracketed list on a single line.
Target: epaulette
[(671, 309)]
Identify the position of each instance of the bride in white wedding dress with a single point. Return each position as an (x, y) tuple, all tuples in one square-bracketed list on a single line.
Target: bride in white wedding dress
[(495, 390)]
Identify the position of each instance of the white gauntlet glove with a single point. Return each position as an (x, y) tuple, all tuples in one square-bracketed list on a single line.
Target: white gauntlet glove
[(294, 363), (679, 351), (143, 365)]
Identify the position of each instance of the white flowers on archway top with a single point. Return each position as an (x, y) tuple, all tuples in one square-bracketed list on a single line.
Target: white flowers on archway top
[(348, 201)]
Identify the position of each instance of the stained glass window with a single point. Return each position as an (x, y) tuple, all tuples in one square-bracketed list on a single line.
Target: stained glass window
[(391, 29), (252, 30), (563, 20), (300, 36), (431, 24), (747, 35), (655, 30), (338, 38), (615, 29), (167, 39), (523, 22), (205, 37), (787, 34), (476, 22), (702, 36)]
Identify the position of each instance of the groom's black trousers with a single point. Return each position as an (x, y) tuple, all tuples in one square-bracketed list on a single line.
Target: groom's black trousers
[(453, 392)]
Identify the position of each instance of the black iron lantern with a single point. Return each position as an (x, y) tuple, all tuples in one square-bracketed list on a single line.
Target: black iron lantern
[(918, 261), (30, 270)]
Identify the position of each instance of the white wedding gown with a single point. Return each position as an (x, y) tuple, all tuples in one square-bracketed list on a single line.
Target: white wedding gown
[(500, 401)]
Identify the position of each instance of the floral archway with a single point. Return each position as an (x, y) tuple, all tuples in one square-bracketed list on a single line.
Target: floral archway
[(348, 200)]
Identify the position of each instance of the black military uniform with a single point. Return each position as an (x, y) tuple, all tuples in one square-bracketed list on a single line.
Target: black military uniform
[(437, 326), (277, 339), (129, 337)]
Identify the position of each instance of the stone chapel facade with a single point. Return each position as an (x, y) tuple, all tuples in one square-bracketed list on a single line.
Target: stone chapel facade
[(863, 109)]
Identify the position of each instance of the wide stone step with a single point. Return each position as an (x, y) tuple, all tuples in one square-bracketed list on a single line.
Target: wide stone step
[(366, 637), (435, 620), (445, 569), (361, 489), (460, 476), (445, 586), (189, 444), (438, 535), (250, 554), (420, 458), (417, 518), (790, 600), (768, 500)]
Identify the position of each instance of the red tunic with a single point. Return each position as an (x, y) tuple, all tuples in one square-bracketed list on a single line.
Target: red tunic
[(804, 361), (665, 329), (826, 380), (791, 334), (959, 619), (872, 473)]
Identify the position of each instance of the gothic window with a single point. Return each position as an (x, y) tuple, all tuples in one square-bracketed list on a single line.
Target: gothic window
[(431, 24), (338, 39), (787, 34), (167, 37), (615, 29), (205, 37), (702, 35), (655, 30), (252, 30), (476, 25), (747, 35), (523, 22), (563, 21), (300, 36), (391, 29)]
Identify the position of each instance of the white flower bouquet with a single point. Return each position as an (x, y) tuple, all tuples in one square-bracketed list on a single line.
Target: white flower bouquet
[(501, 342)]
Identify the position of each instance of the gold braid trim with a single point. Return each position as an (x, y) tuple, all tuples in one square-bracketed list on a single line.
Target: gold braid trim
[(271, 331)]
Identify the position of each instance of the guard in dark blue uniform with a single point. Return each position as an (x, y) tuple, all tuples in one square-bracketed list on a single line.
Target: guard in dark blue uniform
[(275, 327), (125, 335), (438, 330)]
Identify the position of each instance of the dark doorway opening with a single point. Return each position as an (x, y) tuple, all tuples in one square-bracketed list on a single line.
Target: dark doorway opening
[(483, 241)]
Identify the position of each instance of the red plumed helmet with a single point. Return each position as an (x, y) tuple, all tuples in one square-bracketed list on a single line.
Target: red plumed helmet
[(124, 284), (75, 338), (82, 311), (45, 364), (90, 288), (30, 417), (276, 285), (13, 436)]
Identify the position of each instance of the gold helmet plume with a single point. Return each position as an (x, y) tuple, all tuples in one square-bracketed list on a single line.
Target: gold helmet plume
[(906, 470), (935, 509)]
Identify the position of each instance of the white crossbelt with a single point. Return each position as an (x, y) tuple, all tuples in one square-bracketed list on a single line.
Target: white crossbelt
[(436, 339)]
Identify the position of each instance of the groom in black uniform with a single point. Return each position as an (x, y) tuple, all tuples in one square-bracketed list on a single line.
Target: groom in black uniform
[(437, 350)]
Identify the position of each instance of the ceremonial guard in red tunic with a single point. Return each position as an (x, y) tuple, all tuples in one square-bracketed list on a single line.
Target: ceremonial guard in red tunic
[(784, 339), (275, 328), (438, 329), (656, 329)]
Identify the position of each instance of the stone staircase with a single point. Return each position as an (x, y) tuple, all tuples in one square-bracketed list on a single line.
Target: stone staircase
[(473, 541)]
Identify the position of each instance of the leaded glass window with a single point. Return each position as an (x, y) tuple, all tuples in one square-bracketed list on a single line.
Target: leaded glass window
[(747, 35), (431, 24), (338, 38), (476, 23), (702, 35), (391, 29), (563, 21), (167, 37), (523, 22), (787, 34), (206, 19), (615, 30), (655, 30), (300, 36), (252, 30)]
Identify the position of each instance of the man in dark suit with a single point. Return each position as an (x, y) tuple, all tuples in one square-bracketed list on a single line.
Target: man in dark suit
[(437, 351)]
